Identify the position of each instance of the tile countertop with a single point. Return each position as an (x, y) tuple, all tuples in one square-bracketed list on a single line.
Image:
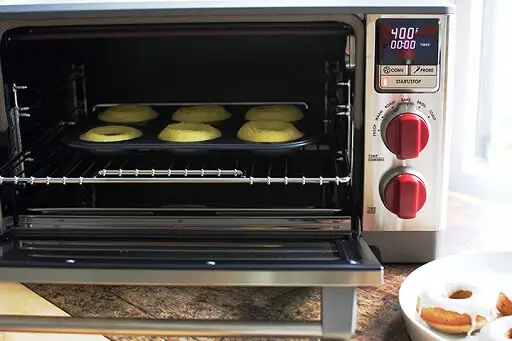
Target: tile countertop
[(470, 223)]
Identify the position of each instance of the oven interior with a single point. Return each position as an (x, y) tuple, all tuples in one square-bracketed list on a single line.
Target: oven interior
[(68, 71), (55, 78)]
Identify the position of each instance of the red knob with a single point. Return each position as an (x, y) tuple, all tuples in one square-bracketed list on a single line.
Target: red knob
[(407, 135), (405, 195)]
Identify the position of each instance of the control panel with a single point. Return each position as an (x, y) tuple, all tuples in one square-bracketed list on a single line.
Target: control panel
[(407, 54), (404, 122)]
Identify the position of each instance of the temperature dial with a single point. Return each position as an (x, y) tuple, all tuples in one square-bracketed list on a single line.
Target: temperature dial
[(405, 132), (403, 192)]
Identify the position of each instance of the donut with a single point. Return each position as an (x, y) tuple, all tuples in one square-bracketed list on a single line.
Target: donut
[(268, 131), (279, 112), (113, 133), (189, 132), (201, 114), (128, 113), (455, 308), (497, 330), (504, 305)]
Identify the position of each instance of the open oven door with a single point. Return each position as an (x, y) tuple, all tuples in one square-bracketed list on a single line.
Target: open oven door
[(44, 249), (268, 251)]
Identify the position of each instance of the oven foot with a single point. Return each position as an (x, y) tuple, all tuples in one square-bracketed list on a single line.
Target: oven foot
[(339, 307)]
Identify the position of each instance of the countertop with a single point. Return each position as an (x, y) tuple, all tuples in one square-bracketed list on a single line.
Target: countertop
[(378, 310), (471, 223)]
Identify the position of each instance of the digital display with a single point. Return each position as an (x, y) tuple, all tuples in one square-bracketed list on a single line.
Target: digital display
[(408, 41)]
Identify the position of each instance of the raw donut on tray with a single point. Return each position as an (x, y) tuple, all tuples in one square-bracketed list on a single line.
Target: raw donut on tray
[(455, 308), (498, 330), (128, 113), (278, 112), (111, 133), (268, 131), (189, 132), (201, 114)]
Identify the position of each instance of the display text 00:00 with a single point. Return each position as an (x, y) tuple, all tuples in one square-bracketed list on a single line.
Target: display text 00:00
[(403, 44)]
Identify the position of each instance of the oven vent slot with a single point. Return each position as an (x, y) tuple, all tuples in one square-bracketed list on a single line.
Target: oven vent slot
[(65, 167)]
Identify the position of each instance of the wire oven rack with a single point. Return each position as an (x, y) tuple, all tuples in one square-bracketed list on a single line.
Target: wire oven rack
[(64, 165)]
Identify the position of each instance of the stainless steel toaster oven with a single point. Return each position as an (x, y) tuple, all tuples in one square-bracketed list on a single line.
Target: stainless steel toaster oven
[(367, 164)]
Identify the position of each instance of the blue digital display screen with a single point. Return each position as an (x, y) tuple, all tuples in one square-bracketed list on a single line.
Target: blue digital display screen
[(407, 41)]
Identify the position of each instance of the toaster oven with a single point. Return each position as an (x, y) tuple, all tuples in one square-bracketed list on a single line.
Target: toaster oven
[(370, 168)]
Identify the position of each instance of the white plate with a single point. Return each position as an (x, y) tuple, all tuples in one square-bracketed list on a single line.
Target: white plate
[(495, 267)]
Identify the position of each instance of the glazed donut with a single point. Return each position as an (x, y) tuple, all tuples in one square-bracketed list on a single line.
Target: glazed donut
[(497, 330), (189, 132), (128, 113), (455, 308), (201, 114), (504, 305), (268, 131), (110, 134), (279, 112)]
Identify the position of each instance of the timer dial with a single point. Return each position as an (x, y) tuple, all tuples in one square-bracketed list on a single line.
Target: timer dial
[(403, 192), (405, 132)]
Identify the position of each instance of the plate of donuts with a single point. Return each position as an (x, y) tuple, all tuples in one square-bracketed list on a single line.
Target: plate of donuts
[(466, 297)]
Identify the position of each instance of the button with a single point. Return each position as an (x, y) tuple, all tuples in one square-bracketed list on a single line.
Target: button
[(422, 70), (393, 70), (406, 82)]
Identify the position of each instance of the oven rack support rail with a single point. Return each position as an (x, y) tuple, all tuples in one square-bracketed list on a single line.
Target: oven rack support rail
[(75, 81), (170, 179), (64, 167), (337, 323), (80, 171)]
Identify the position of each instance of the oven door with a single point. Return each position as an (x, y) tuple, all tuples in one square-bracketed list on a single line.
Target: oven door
[(196, 253), (242, 251)]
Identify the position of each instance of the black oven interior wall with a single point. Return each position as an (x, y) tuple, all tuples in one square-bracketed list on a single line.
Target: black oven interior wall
[(163, 65)]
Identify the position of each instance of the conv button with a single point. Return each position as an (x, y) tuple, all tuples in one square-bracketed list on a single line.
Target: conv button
[(396, 70), (423, 70), (406, 82)]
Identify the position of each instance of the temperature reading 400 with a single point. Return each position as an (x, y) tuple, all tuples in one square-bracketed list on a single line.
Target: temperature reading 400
[(403, 38)]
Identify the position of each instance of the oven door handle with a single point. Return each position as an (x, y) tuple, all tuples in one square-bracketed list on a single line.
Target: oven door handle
[(156, 327), (337, 323)]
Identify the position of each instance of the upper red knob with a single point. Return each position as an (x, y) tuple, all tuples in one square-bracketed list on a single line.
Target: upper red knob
[(407, 135), (405, 195)]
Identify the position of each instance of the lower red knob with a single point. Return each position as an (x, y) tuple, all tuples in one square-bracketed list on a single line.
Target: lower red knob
[(404, 195)]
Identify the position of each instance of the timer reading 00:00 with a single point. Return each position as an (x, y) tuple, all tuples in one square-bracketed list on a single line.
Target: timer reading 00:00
[(403, 38)]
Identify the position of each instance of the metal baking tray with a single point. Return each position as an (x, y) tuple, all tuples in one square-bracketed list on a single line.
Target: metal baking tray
[(229, 128)]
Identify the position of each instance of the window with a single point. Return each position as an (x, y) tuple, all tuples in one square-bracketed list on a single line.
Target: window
[(481, 124)]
